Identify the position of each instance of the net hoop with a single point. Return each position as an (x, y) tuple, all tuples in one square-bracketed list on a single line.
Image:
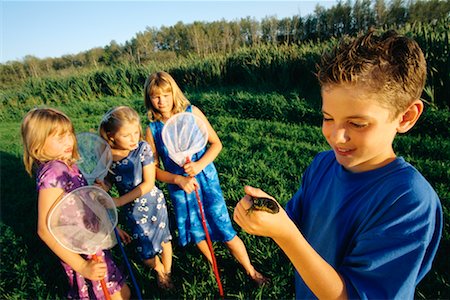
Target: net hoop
[(83, 221), (184, 134)]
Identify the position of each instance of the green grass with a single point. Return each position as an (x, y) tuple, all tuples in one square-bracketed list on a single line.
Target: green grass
[(268, 138)]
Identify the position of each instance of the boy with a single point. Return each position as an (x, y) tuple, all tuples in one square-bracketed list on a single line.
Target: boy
[(364, 223)]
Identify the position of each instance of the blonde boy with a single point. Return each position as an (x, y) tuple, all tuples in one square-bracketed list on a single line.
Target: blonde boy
[(364, 223)]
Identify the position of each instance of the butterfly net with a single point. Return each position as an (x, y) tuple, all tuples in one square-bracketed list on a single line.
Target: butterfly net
[(184, 134), (96, 156), (84, 220)]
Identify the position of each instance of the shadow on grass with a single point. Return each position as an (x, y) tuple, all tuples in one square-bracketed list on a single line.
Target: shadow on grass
[(24, 255)]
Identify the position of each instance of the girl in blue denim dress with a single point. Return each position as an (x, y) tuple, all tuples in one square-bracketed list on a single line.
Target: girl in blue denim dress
[(163, 99)]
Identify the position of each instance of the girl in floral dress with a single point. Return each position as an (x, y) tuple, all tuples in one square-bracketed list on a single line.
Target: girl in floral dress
[(133, 173), (50, 149)]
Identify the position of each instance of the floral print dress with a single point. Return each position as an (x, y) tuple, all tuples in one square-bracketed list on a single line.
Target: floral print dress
[(56, 174), (147, 215)]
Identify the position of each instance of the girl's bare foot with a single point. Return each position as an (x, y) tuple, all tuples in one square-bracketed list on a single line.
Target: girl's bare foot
[(259, 279), (164, 281)]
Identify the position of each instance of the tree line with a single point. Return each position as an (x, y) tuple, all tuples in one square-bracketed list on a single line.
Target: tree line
[(205, 38)]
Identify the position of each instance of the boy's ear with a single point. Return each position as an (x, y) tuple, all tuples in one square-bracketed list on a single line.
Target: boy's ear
[(410, 116)]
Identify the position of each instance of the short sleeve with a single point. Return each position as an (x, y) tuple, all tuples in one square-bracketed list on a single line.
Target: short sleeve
[(397, 251), (53, 174), (293, 207), (146, 154)]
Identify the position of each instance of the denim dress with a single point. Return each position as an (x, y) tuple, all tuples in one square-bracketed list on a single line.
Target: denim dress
[(189, 221)]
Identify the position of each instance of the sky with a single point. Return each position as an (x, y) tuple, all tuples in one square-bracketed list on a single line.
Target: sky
[(56, 28)]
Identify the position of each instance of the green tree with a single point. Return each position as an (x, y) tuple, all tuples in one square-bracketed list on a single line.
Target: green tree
[(269, 30)]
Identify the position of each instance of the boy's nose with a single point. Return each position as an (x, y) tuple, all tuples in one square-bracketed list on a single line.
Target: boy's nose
[(340, 135)]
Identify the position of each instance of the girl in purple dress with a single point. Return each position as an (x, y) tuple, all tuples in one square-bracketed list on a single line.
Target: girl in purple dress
[(133, 173), (50, 149)]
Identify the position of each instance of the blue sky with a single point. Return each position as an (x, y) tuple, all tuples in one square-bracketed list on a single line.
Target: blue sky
[(56, 28)]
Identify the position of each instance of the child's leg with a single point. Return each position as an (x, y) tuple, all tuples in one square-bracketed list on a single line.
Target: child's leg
[(123, 294), (163, 277), (166, 256), (155, 264), (238, 250), (203, 246)]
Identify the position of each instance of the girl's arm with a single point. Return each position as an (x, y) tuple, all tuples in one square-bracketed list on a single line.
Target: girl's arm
[(147, 184), (87, 268), (319, 276), (215, 146), (186, 183), (103, 184)]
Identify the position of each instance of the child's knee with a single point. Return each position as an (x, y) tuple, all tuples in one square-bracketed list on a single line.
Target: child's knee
[(150, 262), (123, 294)]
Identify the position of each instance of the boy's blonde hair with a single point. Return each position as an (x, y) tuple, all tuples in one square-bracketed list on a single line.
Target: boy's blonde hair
[(391, 67), (115, 118), (159, 83), (37, 125)]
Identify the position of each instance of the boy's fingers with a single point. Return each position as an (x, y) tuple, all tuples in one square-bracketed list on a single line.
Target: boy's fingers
[(255, 192), (245, 202)]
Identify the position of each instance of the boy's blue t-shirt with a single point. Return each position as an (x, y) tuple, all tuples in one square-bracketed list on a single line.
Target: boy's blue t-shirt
[(379, 229)]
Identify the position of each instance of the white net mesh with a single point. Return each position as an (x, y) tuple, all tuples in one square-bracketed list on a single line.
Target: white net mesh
[(96, 156), (184, 134), (83, 221)]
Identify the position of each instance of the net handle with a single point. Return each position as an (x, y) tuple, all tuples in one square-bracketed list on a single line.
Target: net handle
[(102, 281), (208, 240)]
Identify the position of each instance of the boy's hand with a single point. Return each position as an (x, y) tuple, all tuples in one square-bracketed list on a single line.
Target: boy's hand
[(259, 222), (188, 184), (192, 168)]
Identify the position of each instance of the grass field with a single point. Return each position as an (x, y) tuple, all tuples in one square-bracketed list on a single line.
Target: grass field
[(268, 139)]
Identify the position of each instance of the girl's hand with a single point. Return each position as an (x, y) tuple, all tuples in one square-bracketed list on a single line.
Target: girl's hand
[(101, 184), (124, 236), (186, 183), (94, 270), (259, 222), (192, 168)]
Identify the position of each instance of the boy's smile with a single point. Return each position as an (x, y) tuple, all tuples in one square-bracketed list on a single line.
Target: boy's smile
[(359, 130)]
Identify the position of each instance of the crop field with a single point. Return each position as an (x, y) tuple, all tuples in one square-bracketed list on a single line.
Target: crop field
[(269, 138), (264, 103)]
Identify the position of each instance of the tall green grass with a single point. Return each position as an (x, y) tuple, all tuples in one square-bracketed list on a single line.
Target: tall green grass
[(266, 67)]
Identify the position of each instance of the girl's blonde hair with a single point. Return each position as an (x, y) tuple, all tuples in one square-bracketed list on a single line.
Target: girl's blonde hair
[(114, 119), (159, 83), (37, 125)]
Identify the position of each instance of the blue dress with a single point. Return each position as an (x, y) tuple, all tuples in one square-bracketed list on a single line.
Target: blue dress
[(147, 215), (186, 208), (379, 229)]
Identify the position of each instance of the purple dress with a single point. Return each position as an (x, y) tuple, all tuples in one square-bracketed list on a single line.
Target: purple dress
[(56, 174)]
